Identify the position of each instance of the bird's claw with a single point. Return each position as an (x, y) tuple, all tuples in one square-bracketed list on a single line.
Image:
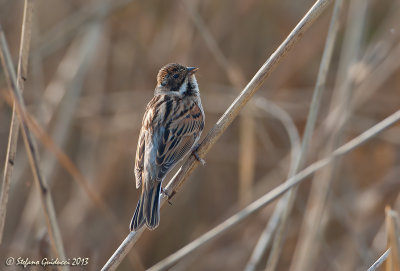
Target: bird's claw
[(164, 192), (201, 160)]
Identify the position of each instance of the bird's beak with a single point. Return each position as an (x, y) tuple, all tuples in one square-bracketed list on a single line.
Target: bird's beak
[(192, 70)]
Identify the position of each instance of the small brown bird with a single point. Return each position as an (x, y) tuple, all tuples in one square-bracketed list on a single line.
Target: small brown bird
[(171, 127)]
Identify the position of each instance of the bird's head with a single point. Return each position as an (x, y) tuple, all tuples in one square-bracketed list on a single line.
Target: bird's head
[(177, 79)]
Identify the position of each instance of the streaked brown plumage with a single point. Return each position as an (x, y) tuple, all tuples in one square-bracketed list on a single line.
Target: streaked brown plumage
[(171, 126)]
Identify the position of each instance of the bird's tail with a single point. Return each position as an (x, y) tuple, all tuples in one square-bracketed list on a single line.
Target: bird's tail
[(148, 208)]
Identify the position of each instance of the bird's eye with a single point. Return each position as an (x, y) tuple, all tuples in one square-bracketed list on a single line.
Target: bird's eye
[(176, 76), (163, 83)]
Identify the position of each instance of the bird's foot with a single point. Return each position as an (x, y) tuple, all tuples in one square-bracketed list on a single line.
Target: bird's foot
[(201, 160), (164, 192)]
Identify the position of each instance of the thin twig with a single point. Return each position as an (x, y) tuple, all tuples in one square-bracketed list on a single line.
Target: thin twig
[(379, 261), (14, 127), (191, 163), (31, 148), (277, 192)]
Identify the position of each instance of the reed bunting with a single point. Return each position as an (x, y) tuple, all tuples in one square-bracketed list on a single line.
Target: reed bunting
[(171, 127)]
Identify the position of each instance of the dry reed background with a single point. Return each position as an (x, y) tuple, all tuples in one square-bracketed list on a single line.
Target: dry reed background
[(92, 70)]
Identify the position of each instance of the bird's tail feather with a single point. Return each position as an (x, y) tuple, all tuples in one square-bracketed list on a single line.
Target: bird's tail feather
[(148, 208)]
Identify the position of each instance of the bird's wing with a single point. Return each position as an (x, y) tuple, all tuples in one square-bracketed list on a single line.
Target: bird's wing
[(139, 162), (147, 123), (181, 129)]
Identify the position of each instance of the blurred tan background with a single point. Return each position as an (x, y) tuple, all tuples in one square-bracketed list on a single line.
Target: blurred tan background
[(92, 70)]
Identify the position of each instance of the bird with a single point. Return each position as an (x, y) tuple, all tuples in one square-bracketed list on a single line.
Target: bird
[(171, 127)]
